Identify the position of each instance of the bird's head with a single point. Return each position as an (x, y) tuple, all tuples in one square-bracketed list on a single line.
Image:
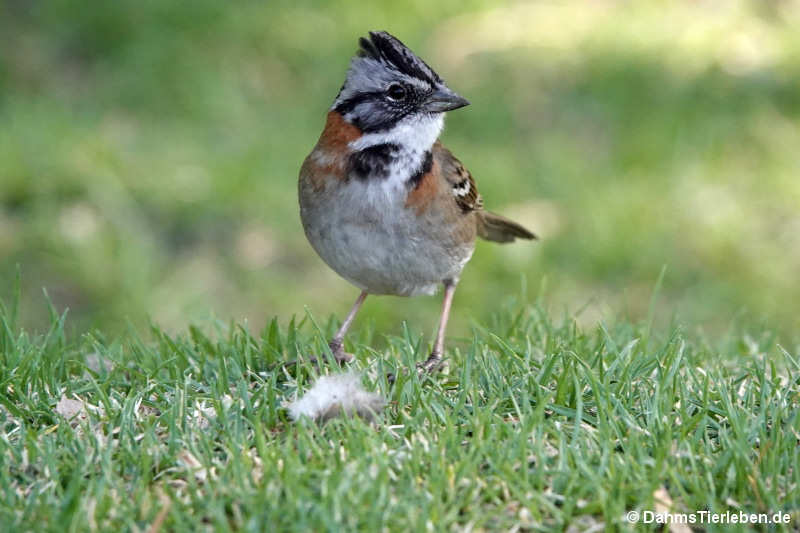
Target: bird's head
[(387, 84)]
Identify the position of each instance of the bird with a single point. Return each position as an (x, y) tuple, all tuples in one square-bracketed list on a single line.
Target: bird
[(382, 201)]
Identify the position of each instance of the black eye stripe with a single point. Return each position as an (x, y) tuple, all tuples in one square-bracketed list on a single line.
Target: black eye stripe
[(383, 122), (351, 103), (377, 119)]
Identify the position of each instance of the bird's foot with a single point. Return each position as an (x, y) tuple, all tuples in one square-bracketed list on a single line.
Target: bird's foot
[(432, 364), (339, 355)]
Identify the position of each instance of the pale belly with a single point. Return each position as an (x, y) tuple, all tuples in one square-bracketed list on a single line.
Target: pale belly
[(372, 240)]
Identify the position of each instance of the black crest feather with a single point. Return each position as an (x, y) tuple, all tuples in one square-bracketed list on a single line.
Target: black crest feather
[(383, 46)]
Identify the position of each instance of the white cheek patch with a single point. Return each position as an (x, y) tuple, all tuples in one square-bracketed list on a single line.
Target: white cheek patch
[(415, 134)]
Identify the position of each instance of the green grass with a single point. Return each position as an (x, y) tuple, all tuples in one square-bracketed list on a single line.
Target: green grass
[(537, 423)]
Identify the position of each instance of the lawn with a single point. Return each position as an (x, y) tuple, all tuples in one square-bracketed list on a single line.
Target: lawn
[(537, 424)]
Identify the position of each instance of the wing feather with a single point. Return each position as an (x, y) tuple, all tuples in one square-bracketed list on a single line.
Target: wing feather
[(465, 192)]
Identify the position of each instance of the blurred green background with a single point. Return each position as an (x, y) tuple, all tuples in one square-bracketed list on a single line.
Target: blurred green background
[(149, 155)]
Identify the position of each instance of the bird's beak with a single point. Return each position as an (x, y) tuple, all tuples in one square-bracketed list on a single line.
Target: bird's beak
[(443, 99)]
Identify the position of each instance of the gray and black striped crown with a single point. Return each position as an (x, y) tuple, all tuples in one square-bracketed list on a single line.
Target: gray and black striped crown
[(388, 49)]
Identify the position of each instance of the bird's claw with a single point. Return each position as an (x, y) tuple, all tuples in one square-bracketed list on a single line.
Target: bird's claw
[(339, 355), (342, 357), (432, 364)]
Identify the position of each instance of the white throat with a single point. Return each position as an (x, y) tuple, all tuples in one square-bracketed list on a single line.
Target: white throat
[(414, 134), (414, 137)]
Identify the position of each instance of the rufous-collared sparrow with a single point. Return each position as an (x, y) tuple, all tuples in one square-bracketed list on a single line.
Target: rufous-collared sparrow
[(382, 202)]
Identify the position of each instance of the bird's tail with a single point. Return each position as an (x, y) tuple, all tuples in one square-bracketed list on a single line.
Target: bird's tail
[(496, 228)]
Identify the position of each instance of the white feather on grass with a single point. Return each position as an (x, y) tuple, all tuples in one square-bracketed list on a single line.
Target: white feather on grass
[(335, 395)]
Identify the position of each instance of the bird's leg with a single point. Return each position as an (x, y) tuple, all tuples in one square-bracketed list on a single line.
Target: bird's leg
[(434, 362), (337, 342)]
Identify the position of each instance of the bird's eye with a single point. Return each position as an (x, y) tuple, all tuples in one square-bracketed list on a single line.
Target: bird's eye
[(396, 92)]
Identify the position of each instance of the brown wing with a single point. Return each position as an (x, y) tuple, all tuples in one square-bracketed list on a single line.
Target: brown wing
[(489, 226), (465, 192)]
